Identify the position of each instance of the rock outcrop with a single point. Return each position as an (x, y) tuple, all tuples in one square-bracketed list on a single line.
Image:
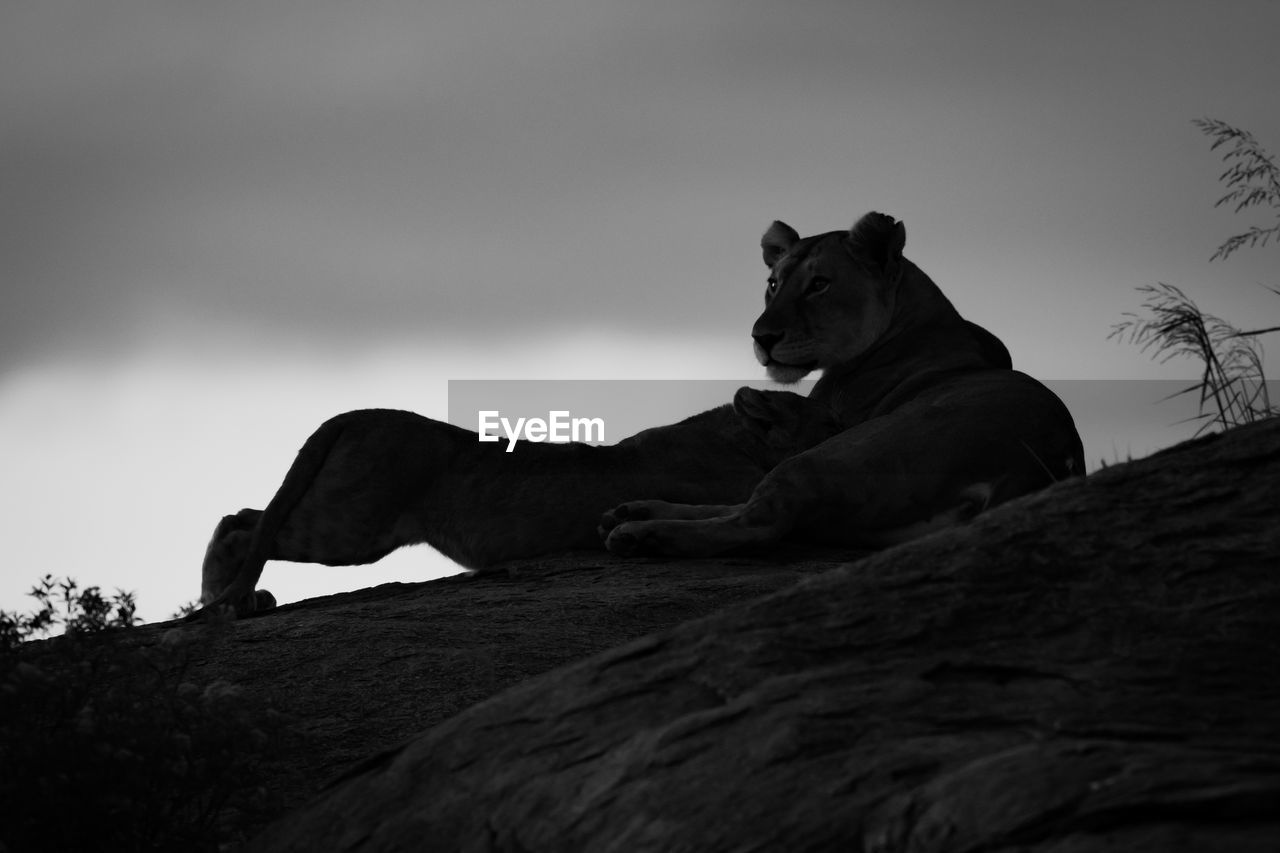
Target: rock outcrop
[(362, 671), (1095, 667)]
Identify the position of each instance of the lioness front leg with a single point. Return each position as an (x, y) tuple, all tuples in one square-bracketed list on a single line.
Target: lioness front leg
[(698, 535), (868, 485), (652, 510), (705, 531)]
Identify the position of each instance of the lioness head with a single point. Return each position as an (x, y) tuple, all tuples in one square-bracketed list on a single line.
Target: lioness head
[(829, 297)]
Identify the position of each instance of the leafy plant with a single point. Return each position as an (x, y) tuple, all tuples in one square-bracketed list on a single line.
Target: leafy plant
[(110, 744), (1232, 380), (63, 602)]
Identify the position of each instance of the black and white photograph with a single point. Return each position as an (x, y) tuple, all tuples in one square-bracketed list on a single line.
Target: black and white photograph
[(651, 426)]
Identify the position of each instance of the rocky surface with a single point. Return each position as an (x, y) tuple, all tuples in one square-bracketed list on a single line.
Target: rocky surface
[(1096, 667), (363, 671)]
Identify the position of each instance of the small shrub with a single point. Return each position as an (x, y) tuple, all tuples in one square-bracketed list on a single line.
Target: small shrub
[(108, 745), (63, 602)]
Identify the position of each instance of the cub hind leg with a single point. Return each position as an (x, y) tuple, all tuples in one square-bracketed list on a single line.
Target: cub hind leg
[(342, 502)]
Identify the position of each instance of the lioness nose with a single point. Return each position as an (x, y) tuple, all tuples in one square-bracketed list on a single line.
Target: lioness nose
[(767, 341)]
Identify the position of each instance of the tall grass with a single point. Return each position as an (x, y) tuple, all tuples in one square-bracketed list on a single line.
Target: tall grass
[(1232, 387), (1252, 180)]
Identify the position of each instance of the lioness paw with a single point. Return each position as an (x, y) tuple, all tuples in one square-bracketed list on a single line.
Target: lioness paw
[(632, 540), (630, 511)]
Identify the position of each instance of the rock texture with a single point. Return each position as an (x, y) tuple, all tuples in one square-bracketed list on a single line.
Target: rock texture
[(1096, 667), (362, 671)]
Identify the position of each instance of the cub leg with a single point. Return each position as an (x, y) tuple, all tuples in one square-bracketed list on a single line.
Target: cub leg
[(341, 503)]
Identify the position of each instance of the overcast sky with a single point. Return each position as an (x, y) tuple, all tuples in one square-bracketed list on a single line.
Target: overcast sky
[(222, 222)]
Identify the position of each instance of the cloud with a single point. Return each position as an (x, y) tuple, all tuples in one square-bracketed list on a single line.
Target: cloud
[(353, 174)]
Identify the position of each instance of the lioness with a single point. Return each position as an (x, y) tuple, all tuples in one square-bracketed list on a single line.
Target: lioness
[(918, 421), (936, 425)]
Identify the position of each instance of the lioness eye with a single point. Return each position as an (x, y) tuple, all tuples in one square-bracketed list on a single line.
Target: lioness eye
[(817, 285), (772, 287)]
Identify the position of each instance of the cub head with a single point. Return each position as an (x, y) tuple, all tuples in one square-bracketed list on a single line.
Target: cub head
[(829, 298), (785, 421)]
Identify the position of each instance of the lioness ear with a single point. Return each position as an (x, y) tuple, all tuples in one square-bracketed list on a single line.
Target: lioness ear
[(879, 239), (777, 240)]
